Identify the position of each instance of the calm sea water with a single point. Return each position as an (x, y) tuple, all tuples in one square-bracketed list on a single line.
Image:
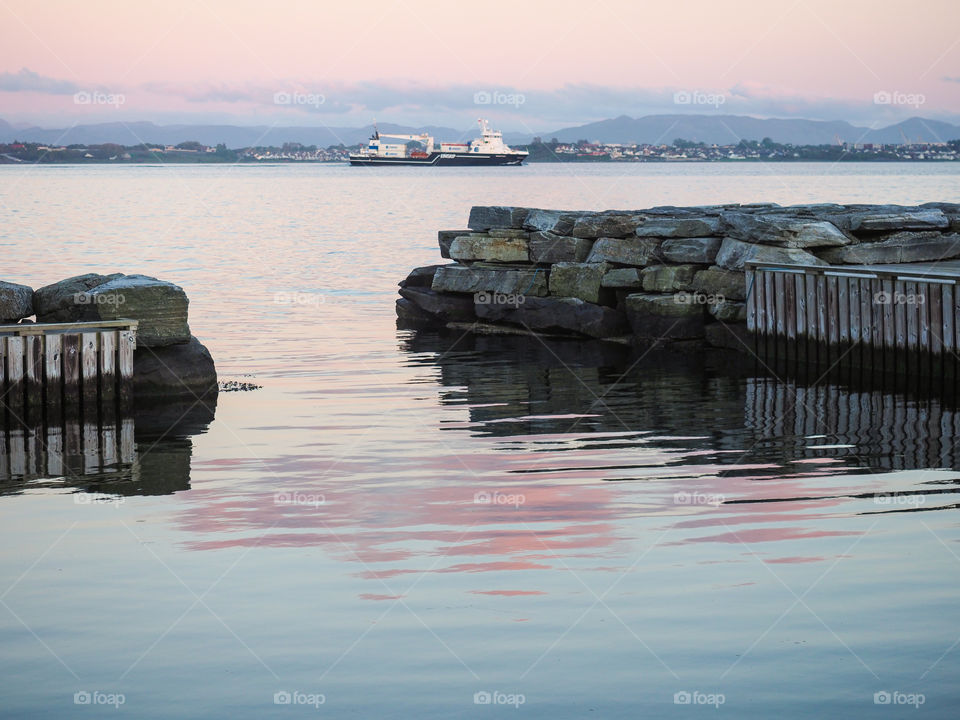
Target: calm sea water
[(564, 529)]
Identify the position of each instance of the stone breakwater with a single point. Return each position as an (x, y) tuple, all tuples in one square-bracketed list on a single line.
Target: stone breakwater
[(169, 362), (673, 274)]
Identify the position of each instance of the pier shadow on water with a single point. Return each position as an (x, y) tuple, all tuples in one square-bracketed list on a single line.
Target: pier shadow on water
[(101, 452)]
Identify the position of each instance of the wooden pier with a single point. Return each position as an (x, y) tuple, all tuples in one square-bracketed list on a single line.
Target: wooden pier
[(892, 319), (46, 368)]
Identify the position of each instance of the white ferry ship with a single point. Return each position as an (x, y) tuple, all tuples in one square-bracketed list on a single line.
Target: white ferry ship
[(488, 149)]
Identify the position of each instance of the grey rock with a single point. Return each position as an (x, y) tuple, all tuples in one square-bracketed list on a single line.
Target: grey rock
[(484, 217), (929, 219), (482, 278), (507, 233), (443, 306), (734, 254), (945, 207), (627, 278), (682, 227), (160, 306), (548, 247), (409, 315), (560, 222), (579, 280), (717, 282), (635, 251), (445, 237), (728, 311), (607, 225), (58, 302), (185, 371), (691, 250), (670, 317), (16, 301), (420, 277), (489, 249), (897, 248), (668, 278), (558, 314), (782, 230)]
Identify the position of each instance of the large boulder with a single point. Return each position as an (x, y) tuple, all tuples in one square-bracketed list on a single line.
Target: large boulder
[(900, 247), (635, 251), (478, 278), (420, 277), (717, 282), (16, 301), (927, 219), (182, 371), (409, 315), (691, 250), (483, 217), (160, 307), (548, 247), (670, 317), (556, 221), (445, 239), (446, 307), (728, 311), (782, 230), (623, 278), (558, 314), (679, 227), (488, 248), (735, 254), (668, 278), (607, 225), (65, 301), (579, 280)]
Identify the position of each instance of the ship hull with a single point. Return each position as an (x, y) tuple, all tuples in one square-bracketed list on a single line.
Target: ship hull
[(439, 159)]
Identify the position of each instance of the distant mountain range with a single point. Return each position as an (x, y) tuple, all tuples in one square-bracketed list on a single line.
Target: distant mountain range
[(730, 129), (652, 129)]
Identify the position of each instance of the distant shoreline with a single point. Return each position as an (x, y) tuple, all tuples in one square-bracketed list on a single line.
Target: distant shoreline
[(9, 162)]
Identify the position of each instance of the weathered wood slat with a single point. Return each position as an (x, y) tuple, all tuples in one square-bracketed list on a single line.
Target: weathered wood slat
[(108, 365), (71, 368), (127, 341), (14, 391), (947, 328), (33, 369), (843, 310), (833, 310), (53, 370), (789, 307), (47, 328), (89, 368)]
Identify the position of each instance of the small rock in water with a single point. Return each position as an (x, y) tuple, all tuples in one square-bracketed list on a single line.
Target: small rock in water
[(238, 386)]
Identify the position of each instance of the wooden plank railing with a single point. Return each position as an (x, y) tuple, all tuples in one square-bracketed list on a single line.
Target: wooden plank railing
[(817, 313), (65, 364)]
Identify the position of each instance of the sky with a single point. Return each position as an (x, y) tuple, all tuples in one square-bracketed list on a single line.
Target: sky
[(527, 65)]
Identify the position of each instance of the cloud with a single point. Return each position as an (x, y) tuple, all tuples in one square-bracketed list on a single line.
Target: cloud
[(951, 79), (28, 81)]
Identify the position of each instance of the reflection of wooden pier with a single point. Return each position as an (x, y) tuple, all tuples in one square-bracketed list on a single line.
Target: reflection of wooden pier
[(54, 365), (890, 318), (68, 450)]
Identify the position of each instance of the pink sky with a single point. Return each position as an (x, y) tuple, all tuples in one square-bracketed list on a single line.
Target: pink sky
[(424, 59)]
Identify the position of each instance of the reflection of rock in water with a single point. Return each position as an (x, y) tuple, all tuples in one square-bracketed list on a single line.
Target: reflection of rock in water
[(505, 380), (147, 453), (516, 386)]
